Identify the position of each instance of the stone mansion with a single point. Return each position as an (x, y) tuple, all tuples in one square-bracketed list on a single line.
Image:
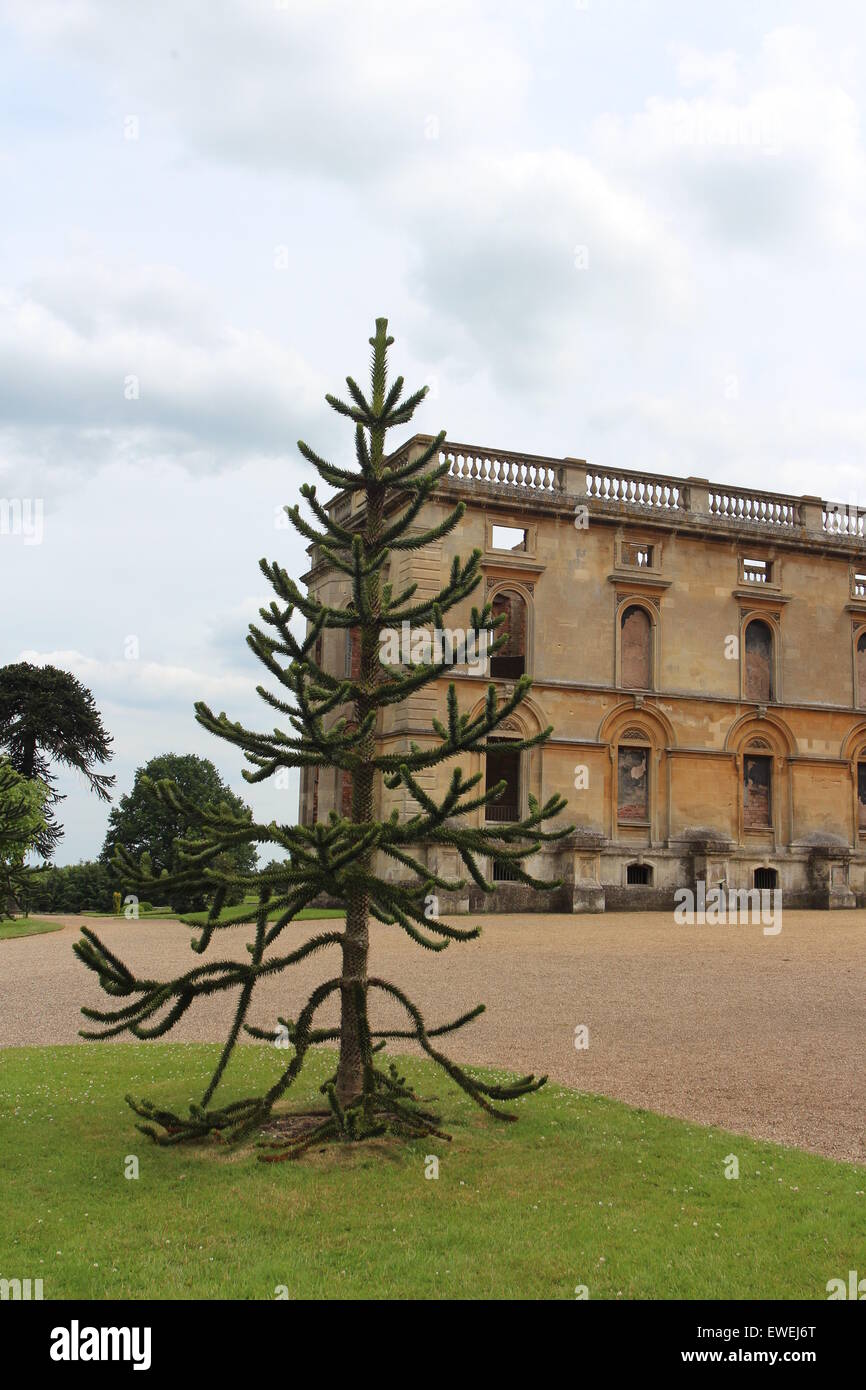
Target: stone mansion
[(700, 651)]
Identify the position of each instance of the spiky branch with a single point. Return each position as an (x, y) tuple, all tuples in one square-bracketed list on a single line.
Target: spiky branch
[(331, 721)]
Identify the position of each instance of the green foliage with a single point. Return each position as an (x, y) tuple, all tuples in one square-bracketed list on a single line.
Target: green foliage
[(84, 887), (22, 823), (329, 722), (48, 719), (140, 824)]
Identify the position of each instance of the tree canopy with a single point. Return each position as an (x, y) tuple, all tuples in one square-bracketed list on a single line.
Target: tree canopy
[(22, 822), (142, 825), (48, 719)]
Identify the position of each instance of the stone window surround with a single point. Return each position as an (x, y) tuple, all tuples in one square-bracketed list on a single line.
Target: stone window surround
[(519, 522), (759, 736), (634, 737), (624, 601), (858, 630), (771, 559), (650, 542), (758, 748), (526, 592), (773, 622)]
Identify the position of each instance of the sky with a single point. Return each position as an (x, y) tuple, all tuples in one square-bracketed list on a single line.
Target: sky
[(622, 231)]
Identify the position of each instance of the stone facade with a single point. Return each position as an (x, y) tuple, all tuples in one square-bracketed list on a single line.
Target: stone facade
[(700, 651)]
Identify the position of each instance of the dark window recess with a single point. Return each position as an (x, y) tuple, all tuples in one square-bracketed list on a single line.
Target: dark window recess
[(861, 669), (638, 873), (759, 662), (766, 879), (503, 764), (510, 661), (503, 872), (757, 798), (317, 651), (633, 785), (861, 795), (315, 809), (636, 649)]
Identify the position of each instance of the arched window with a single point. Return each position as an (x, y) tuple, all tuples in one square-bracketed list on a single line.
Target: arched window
[(861, 669), (636, 664), (510, 661), (759, 662), (632, 778), (758, 786), (861, 791)]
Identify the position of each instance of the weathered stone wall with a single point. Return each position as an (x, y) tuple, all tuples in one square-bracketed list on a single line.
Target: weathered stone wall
[(636, 628)]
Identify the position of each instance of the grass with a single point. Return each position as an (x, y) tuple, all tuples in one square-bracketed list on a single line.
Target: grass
[(26, 926), (306, 913), (165, 914), (582, 1190)]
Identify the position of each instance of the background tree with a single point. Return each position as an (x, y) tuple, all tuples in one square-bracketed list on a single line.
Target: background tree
[(84, 887), (331, 723), (47, 719), (22, 822), (141, 824)]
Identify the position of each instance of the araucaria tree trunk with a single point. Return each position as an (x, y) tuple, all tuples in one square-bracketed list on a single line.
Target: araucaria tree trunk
[(353, 985), (333, 724)]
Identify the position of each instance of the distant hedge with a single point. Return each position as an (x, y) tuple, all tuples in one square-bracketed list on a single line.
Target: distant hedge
[(85, 887)]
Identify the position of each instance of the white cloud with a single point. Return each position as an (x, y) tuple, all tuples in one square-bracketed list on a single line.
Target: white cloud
[(696, 68), (767, 154), (101, 363), (550, 251), (138, 683), (329, 87)]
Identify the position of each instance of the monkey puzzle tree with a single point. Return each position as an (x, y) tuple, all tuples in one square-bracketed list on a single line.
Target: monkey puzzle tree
[(48, 717), (333, 723)]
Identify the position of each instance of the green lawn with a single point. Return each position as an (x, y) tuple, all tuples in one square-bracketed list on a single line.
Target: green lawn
[(581, 1191), (26, 926), (165, 914), (306, 914)]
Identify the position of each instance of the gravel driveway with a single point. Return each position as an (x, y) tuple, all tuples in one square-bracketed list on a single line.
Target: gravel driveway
[(722, 1025)]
